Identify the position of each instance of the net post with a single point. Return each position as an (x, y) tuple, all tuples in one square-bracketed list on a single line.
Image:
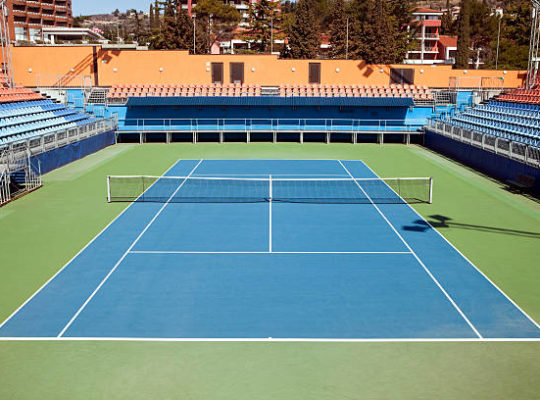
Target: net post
[(431, 190), (270, 187), (108, 188)]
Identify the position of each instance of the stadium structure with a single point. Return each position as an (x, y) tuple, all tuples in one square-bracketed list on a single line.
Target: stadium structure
[(253, 244), (176, 97)]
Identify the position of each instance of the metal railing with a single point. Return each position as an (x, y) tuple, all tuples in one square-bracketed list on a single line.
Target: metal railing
[(26, 179), (270, 125), (36, 145), (522, 152)]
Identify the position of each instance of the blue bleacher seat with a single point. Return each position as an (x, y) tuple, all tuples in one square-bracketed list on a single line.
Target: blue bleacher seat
[(27, 119), (511, 121)]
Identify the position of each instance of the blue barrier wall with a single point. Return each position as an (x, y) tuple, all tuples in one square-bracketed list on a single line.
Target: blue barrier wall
[(497, 166), (64, 155), (407, 115)]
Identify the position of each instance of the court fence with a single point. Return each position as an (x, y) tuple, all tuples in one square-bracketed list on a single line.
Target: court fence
[(24, 148), (18, 176), (521, 152)]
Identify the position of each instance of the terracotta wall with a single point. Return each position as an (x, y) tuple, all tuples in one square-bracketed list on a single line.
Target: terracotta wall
[(33, 66), (130, 66)]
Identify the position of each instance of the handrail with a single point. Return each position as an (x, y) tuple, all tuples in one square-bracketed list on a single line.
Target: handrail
[(270, 124)]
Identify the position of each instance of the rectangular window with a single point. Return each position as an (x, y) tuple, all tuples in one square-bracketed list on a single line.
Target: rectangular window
[(35, 34), (315, 73), (20, 33), (402, 76), (217, 73), (237, 72)]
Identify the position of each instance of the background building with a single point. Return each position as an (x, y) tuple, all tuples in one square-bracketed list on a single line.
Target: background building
[(26, 18)]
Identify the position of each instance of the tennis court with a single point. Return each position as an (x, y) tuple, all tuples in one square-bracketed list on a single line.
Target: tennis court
[(273, 263)]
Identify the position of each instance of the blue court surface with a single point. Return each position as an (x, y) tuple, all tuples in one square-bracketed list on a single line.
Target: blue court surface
[(269, 271)]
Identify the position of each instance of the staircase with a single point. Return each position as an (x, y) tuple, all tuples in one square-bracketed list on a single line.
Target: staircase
[(97, 96)]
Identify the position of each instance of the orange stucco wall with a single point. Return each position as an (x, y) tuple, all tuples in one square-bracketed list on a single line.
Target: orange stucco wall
[(130, 66)]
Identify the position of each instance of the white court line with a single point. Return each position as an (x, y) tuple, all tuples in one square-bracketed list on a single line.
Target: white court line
[(266, 252), (265, 175), (246, 340), (270, 233), (463, 255), (416, 256), (124, 255), (76, 255)]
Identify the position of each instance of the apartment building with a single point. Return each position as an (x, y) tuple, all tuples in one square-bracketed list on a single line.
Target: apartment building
[(426, 24), (28, 18)]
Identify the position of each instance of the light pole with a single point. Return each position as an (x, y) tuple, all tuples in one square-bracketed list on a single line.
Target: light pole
[(500, 14), (194, 36), (272, 35), (347, 41)]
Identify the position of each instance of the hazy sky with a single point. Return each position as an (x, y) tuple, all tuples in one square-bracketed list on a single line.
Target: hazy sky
[(106, 6)]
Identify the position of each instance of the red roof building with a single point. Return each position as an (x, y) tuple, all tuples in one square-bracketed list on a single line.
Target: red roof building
[(426, 24)]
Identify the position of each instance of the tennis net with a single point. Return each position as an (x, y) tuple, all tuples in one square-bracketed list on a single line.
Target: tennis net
[(181, 189)]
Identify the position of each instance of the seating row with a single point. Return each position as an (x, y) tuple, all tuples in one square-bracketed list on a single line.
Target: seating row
[(511, 121), (27, 119), (294, 90), (522, 96), (8, 95)]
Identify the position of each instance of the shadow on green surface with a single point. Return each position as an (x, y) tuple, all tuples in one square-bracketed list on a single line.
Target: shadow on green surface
[(441, 221)]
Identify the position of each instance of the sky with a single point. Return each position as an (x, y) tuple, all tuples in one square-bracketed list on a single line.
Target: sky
[(84, 7)]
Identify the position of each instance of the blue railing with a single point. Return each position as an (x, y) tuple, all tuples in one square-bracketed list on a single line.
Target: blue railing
[(269, 125)]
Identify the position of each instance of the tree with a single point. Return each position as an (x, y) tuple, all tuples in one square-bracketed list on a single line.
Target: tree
[(464, 35), (263, 18), (483, 28), (381, 37), (184, 28), (338, 31), (171, 40), (151, 16), (515, 35), (215, 22), (304, 40), (448, 26)]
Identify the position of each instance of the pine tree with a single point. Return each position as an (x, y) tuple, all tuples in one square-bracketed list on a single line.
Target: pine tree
[(338, 31), (263, 17), (170, 32), (447, 27), (184, 28), (464, 35), (381, 38), (225, 19), (304, 38)]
